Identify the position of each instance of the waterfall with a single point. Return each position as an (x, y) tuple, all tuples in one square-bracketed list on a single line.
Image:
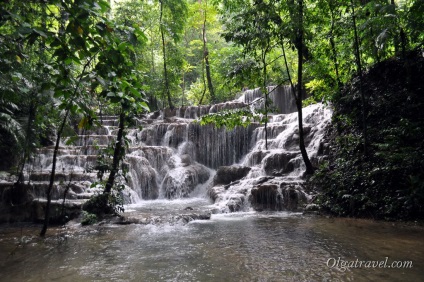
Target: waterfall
[(281, 97), (170, 155), (275, 180)]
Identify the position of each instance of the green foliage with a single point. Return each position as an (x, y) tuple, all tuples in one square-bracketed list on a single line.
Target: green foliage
[(387, 183), (232, 118), (99, 205), (88, 218)]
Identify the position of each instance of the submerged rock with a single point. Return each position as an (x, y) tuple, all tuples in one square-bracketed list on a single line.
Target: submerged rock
[(182, 217)]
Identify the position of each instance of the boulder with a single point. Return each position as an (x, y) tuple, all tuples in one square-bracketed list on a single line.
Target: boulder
[(276, 197), (266, 197), (181, 181), (294, 198), (279, 163), (59, 212), (215, 191), (168, 112), (236, 202), (227, 174), (186, 160), (256, 157)]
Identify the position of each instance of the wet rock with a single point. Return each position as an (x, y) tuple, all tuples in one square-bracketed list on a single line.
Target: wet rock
[(256, 157), (266, 197), (186, 160), (277, 196), (294, 198), (231, 184), (228, 174), (175, 134), (153, 115), (168, 112), (279, 163), (183, 218), (215, 191), (59, 212), (311, 208), (142, 177), (181, 181), (16, 194), (263, 179), (236, 202)]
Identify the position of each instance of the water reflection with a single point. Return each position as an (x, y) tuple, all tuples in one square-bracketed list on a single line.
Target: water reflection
[(233, 247)]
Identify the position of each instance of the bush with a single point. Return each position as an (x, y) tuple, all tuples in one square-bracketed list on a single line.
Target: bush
[(88, 218)]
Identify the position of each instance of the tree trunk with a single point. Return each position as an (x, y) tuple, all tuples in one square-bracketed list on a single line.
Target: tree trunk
[(28, 140), (117, 155), (52, 175), (165, 71), (334, 50), (361, 87), (396, 37), (204, 83), (264, 73), (309, 168), (206, 58)]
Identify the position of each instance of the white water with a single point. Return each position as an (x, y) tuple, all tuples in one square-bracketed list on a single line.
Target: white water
[(229, 247), (180, 157), (171, 157)]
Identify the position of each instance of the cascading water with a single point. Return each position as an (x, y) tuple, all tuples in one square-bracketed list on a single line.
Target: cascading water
[(173, 155), (275, 178), (281, 97)]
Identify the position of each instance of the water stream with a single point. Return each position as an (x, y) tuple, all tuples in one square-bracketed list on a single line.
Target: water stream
[(243, 246)]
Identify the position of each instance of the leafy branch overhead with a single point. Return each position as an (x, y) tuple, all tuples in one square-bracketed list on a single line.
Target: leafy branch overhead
[(232, 118)]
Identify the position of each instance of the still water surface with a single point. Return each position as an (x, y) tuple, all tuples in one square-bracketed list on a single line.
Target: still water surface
[(230, 247)]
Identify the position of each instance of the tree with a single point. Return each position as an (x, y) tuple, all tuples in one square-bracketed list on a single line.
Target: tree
[(75, 47), (255, 27), (360, 74), (171, 20), (119, 84), (206, 54), (145, 16), (252, 28), (300, 52)]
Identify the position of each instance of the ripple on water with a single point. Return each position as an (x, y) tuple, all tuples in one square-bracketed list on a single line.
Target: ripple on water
[(231, 247)]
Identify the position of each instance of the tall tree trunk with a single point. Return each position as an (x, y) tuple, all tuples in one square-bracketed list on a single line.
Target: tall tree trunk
[(28, 140), (396, 37), (206, 57), (52, 175), (165, 71), (63, 19), (361, 80), (309, 168), (183, 89), (204, 83), (333, 48), (264, 73), (117, 155)]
